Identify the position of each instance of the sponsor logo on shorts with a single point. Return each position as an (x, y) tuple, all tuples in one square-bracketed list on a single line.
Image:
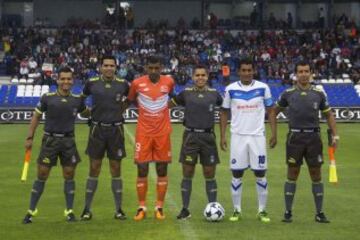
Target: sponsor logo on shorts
[(120, 153), (291, 160), (212, 158), (74, 112), (73, 159), (320, 160), (188, 158), (46, 160)]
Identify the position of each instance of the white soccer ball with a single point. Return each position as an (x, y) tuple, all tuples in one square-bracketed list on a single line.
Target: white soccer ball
[(214, 212)]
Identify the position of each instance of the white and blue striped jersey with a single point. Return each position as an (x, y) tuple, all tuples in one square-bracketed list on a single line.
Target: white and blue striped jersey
[(247, 104)]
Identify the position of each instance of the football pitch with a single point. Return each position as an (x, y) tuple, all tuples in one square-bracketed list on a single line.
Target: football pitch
[(340, 205)]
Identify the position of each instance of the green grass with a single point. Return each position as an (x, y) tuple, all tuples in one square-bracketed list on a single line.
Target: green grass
[(341, 201)]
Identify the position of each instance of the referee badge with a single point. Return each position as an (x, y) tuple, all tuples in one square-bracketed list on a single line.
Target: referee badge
[(316, 105), (211, 107), (118, 97)]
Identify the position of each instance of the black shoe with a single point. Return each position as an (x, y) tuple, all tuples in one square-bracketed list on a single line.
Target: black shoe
[(119, 214), (27, 219), (184, 214), (71, 217), (86, 215), (321, 218), (287, 217)]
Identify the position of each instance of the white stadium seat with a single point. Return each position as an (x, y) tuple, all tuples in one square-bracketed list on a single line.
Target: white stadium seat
[(331, 80), (324, 80), (37, 88), (22, 80), (347, 80), (339, 80), (345, 75), (15, 81)]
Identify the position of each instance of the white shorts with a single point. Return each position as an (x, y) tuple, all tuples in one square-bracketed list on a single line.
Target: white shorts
[(247, 151)]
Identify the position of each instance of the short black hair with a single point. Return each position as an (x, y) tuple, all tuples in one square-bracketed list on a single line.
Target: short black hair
[(107, 57), (246, 61), (153, 59), (65, 69), (200, 66), (302, 63)]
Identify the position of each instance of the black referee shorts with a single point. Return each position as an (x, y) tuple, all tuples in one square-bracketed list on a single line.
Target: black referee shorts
[(53, 148), (199, 145), (304, 145), (109, 139)]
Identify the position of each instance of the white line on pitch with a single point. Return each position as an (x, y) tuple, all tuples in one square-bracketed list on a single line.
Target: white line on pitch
[(185, 225)]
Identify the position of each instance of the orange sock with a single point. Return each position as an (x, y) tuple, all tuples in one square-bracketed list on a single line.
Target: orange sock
[(141, 187), (161, 188)]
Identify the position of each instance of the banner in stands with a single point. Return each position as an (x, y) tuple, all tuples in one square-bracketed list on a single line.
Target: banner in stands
[(177, 114)]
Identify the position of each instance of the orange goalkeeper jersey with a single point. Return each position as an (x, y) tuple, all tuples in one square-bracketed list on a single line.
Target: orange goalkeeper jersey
[(152, 100)]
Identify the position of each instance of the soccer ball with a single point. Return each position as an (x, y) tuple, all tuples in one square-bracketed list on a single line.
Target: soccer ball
[(214, 212)]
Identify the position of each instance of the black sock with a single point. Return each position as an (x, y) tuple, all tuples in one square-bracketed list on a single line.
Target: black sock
[(186, 186), (36, 191), (211, 189), (91, 186), (116, 186), (69, 191), (289, 192), (318, 192)]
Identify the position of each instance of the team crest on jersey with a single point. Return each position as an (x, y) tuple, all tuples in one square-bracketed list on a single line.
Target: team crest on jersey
[(63, 100), (164, 89), (200, 96), (233, 161)]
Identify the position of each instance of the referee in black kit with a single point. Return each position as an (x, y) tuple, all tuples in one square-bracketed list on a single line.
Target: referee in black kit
[(106, 132), (199, 138), (303, 103), (61, 108)]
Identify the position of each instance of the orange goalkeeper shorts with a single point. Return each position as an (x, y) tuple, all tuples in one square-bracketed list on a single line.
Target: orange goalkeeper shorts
[(152, 149)]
